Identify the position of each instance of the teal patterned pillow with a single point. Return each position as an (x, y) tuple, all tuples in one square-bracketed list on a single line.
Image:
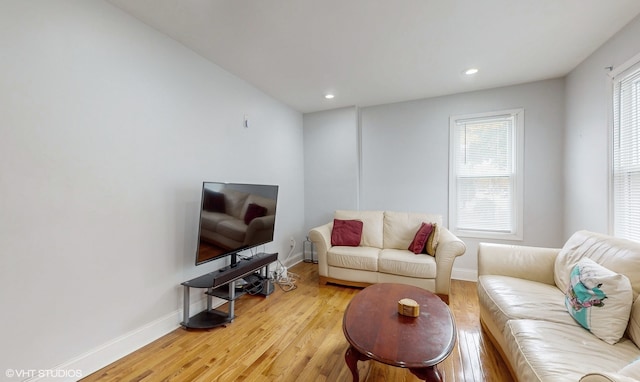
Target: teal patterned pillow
[(599, 300)]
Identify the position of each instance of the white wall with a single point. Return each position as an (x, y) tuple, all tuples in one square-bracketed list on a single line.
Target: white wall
[(330, 164), (404, 150), (587, 132), (405, 158), (107, 129)]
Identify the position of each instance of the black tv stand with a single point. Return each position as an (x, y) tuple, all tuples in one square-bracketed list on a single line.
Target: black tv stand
[(234, 260), (221, 284)]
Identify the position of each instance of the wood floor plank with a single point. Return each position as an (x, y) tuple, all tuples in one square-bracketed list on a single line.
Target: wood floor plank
[(297, 336)]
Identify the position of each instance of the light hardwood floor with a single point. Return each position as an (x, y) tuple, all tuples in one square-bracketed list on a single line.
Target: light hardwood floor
[(297, 336)]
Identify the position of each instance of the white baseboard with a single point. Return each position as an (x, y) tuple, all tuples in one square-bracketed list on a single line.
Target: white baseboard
[(119, 347), (105, 354), (293, 260), (464, 274)]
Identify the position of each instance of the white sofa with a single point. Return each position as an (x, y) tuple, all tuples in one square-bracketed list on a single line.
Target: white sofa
[(383, 254), (521, 292)]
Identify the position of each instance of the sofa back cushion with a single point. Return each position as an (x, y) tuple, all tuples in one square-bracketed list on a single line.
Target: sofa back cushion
[(633, 328), (234, 202), (213, 201), (618, 255), (371, 225), (400, 227)]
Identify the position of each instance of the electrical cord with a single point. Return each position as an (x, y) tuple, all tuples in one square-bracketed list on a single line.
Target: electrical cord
[(283, 278), (287, 282)]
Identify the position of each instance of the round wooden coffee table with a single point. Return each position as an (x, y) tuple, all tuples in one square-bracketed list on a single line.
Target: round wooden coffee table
[(376, 331)]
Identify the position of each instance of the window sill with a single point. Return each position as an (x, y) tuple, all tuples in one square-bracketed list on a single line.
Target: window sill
[(488, 235)]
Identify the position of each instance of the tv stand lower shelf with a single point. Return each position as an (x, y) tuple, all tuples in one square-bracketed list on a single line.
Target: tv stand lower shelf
[(210, 318), (221, 284)]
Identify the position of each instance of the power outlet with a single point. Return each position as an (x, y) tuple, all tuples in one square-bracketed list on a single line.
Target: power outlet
[(292, 243)]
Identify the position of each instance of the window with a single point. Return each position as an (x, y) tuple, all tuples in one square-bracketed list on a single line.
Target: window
[(625, 173), (485, 174)]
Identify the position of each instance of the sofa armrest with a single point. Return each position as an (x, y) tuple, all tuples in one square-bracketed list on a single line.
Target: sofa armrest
[(529, 263), (606, 377), (260, 229), (321, 238), (449, 247)]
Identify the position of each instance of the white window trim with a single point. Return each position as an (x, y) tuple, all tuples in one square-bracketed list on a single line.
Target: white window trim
[(614, 75), (518, 200)]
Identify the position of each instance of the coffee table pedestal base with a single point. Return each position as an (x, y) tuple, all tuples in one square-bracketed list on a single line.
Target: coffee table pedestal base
[(352, 356)]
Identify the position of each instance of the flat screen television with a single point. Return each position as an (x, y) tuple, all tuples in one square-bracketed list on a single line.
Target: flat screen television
[(234, 217)]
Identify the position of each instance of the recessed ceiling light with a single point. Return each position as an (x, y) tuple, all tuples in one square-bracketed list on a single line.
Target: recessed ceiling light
[(471, 71), (329, 96)]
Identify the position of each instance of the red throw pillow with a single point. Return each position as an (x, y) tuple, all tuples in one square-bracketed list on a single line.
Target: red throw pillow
[(346, 232), (254, 211), (420, 240)]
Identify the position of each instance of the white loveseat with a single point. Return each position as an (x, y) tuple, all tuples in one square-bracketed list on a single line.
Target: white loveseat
[(521, 291), (383, 254)]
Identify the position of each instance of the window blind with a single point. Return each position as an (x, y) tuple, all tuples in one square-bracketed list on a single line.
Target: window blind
[(484, 181), (485, 172), (626, 154)]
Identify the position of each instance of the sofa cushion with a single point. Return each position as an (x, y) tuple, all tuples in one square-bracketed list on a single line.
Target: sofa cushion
[(599, 300), (631, 370), (234, 202), (606, 377), (547, 351), (213, 201), (233, 229), (372, 222), (405, 263), (362, 258), (508, 298), (401, 227), (633, 329), (618, 255), (420, 239), (346, 233), (210, 220)]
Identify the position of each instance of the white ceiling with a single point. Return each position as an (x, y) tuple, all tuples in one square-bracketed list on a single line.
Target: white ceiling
[(372, 52)]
